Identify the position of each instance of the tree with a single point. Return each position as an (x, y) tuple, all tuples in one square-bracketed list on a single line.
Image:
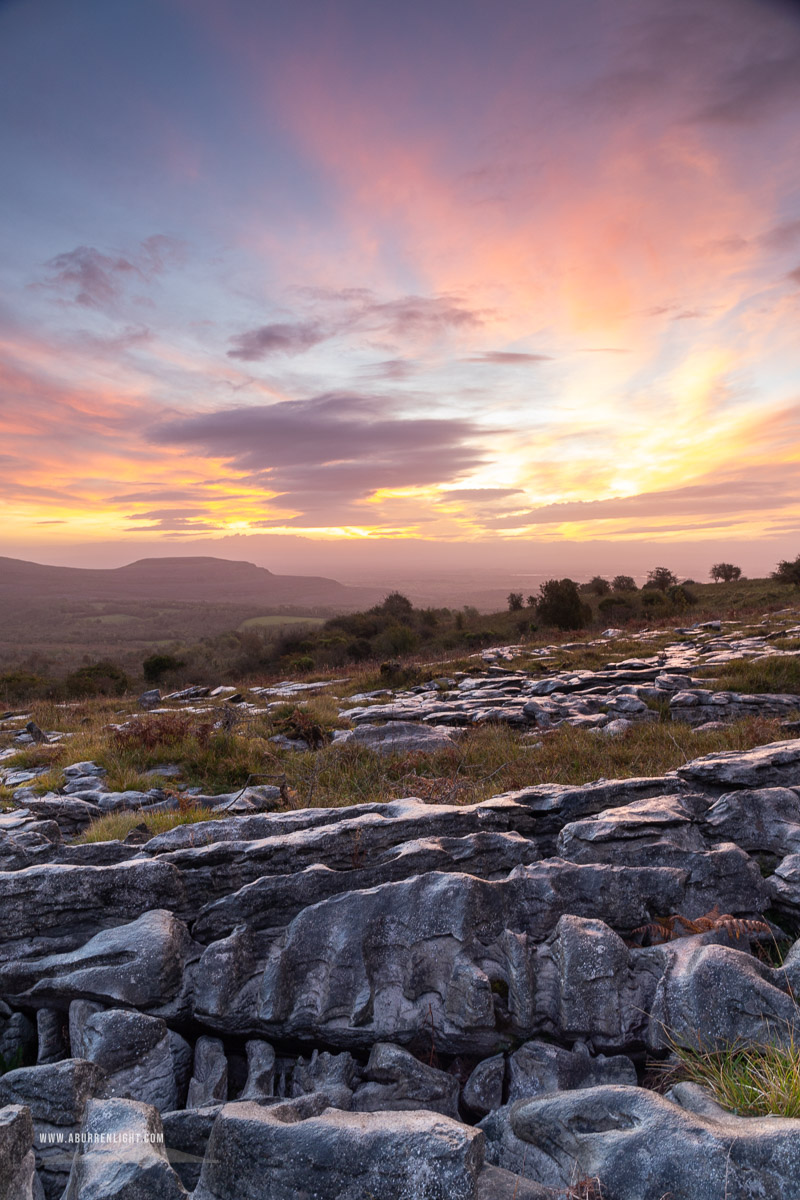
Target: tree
[(597, 585), (661, 578), (559, 604), (514, 601), (788, 572), (725, 572), (623, 583), (395, 605)]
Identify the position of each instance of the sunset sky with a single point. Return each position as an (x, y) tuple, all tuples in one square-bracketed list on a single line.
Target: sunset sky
[(462, 278)]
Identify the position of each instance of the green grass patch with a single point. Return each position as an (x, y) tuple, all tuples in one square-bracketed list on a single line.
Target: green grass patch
[(277, 621), (752, 1081), (117, 826), (755, 677)]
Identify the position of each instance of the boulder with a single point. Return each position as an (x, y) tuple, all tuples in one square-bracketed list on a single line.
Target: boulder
[(140, 964), (333, 1076), (70, 903), (135, 1051), (209, 1083), (18, 1179), (260, 1082), (121, 1155), (640, 1146), (761, 819), (483, 1091), (398, 1081), (539, 1067), (339, 1155), (56, 1095)]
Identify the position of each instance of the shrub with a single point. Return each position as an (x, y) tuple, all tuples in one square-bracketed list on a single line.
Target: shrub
[(17, 685), (623, 583), (97, 679), (681, 597), (653, 599), (160, 729), (304, 663), (157, 665), (559, 604), (788, 572), (597, 586), (611, 604), (514, 601)]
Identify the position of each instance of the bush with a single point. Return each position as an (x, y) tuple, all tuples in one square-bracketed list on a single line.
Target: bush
[(597, 586), (611, 604), (97, 679), (623, 583), (788, 572), (653, 599), (157, 665), (18, 685), (514, 601), (681, 597), (559, 604)]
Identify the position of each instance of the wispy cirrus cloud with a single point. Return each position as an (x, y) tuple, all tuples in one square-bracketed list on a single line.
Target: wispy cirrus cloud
[(357, 311), (97, 279)]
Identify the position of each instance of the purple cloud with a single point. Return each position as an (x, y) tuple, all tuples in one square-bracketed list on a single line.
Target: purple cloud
[(507, 358), (255, 344), (332, 449), (96, 280)]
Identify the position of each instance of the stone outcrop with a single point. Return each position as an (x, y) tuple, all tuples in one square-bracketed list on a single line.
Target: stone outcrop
[(410, 1000)]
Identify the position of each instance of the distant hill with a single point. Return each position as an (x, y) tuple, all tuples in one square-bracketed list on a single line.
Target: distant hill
[(211, 580)]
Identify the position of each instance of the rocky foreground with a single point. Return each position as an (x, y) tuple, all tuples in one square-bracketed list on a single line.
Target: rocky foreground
[(404, 1001)]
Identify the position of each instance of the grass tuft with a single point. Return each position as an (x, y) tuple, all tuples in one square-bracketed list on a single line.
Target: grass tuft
[(116, 826), (752, 1081)]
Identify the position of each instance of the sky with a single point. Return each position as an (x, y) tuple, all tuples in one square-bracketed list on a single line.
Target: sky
[(457, 282)]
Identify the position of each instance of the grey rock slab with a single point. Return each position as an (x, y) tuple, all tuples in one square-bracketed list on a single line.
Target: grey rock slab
[(52, 1034), (186, 1134), (56, 1093), (518, 1159), (121, 1155), (402, 737), (641, 1146), (332, 1076), (261, 1154), (71, 815), (60, 900), (496, 1184), (220, 868), (271, 902), (556, 804), (396, 1080), (761, 819), (450, 952), (139, 964), (776, 764)]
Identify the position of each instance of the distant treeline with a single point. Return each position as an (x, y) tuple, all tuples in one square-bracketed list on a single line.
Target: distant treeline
[(394, 632)]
